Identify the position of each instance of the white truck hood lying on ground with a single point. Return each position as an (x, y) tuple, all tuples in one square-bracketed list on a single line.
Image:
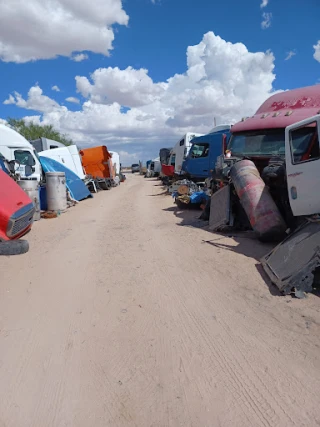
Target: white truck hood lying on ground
[(68, 157)]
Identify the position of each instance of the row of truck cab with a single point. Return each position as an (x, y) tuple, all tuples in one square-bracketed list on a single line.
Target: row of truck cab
[(23, 160)]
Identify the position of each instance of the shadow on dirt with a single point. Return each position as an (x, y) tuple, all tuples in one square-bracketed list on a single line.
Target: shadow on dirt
[(154, 180), (189, 217), (164, 193), (244, 243), (249, 246)]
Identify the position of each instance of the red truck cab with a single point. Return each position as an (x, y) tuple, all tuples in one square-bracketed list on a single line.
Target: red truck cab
[(262, 139), (16, 209), (262, 136)]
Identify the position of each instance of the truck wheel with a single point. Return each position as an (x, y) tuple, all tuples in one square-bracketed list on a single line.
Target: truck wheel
[(14, 247)]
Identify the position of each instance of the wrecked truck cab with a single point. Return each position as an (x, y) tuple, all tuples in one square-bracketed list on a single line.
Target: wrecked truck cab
[(262, 136), (293, 265), (261, 139)]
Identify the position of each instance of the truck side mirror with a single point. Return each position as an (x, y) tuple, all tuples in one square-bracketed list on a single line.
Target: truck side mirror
[(28, 170), (224, 143)]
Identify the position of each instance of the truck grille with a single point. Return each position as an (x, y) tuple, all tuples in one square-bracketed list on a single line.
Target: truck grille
[(20, 220)]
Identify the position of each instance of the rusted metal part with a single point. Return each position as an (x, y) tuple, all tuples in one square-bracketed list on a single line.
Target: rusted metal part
[(291, 264)]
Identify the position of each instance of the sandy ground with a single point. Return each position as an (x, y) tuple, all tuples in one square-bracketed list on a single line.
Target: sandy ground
[(126, 313)]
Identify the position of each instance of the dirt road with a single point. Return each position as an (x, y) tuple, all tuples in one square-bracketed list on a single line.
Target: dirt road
[(124, 313)]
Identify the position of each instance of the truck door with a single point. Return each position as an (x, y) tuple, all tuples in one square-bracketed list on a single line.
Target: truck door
[(179, 155), (198, 160), (26, 157), (303, 166)]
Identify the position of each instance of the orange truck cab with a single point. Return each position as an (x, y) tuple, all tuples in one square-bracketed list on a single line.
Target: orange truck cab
[(97, 162)]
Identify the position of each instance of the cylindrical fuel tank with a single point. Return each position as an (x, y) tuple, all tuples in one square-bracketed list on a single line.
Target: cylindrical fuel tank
[(263, 214), (56, 191), (31, 187)]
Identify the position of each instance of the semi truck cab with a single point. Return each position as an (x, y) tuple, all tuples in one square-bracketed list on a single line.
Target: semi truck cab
[(14, 147), (281, 139), (181, 150), (204, 152)]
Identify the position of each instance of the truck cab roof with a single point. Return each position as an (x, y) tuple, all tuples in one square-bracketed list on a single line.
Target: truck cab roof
[(219, 128), (11, 138), (283, 109)]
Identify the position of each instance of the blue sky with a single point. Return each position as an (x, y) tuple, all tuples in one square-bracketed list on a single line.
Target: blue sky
[(134, 111)]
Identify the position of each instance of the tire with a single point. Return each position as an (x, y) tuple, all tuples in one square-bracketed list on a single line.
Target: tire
[(14, 247)]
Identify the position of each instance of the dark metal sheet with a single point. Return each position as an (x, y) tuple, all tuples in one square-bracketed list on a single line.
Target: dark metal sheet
[(291, 263), (220, 209)]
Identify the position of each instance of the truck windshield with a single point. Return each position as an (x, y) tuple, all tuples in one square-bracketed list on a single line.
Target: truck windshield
[(199, 150), (267, 143)]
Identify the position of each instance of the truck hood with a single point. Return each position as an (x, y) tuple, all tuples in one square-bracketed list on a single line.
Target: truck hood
[(12, 197)]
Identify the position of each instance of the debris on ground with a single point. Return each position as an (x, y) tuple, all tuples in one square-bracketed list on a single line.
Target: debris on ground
[(188, 193), (49, 214), (292, 264)]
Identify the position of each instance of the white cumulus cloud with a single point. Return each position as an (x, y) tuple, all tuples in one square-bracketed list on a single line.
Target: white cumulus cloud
[(129, 87), (36, 101), (55, 88), (316, 54), (79, 57), (73, 100), (10, 100), (266, 22), (222, 80), (290, 54), (44, 29), (264, 3)]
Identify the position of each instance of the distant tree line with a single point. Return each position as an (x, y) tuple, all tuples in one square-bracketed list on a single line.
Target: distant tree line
[(33, 131)]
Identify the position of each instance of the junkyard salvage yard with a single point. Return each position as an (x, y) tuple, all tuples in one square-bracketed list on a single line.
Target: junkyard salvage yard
[(127, 311)]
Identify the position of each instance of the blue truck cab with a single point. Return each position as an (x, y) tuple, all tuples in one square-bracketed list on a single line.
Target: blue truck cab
[(204, 151)]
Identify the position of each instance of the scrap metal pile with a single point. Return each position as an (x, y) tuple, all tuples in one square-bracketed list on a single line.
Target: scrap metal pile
[(187, 193)]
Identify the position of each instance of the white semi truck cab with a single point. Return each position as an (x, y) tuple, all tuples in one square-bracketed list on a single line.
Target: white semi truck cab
[(14, 146)]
